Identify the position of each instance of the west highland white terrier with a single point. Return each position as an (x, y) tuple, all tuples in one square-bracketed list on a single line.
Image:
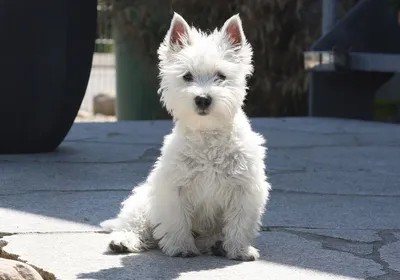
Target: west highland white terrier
[(208, 189)]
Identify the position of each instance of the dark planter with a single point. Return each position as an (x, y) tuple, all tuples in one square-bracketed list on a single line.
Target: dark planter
[(136, 73), (136, 83), (46, 53)]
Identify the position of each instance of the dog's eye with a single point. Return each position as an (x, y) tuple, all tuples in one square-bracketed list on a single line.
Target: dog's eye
[(188, 77), (221, 76)]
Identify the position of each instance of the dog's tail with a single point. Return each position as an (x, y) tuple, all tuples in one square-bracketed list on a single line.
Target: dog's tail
[(131, 230)]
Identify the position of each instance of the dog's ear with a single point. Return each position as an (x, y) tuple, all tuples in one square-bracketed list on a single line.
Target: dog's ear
[(233, 31), (179, 32)]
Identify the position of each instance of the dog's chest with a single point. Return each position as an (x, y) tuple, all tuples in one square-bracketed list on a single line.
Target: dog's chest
[(211, 168)]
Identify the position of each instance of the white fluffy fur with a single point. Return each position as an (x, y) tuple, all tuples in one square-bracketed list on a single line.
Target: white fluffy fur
[(210, 177)]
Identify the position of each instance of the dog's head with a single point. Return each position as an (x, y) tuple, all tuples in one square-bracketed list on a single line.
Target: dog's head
[(203, 76)]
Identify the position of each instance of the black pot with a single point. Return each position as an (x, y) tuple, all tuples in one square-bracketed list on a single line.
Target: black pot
[(46, 51)]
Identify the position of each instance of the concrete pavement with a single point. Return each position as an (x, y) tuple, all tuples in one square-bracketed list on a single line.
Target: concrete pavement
[(333, 213)]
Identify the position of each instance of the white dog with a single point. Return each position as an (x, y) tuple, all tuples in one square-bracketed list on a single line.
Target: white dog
[(208, 189)]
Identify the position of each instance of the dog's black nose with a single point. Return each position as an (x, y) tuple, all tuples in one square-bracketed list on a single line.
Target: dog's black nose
[(203, 102)]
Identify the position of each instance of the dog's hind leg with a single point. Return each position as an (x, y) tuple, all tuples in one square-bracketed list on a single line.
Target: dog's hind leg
[(131, 230), (171, 216)]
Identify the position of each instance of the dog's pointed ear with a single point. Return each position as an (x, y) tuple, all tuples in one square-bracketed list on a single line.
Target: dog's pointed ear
[(233, 31), (179, 32)]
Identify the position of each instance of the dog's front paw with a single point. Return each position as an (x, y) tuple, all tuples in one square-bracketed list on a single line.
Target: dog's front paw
[(218, 250), (175, 244), (181, 252), (125, 242), (186, 254), (117, 247), (247, 254), (177, 249)]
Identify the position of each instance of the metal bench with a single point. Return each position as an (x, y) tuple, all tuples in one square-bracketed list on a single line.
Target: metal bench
[(353, 59)]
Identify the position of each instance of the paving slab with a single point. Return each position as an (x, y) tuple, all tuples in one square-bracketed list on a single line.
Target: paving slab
[(333, 212), (376, 159), (390, 253), (300, 124), (333, 181), (27, 177), (123, 132), (281, 132), (284, 210), (87, 152), (12, 221), (283, 256), (85, 210), (328, 125), (366, 236)]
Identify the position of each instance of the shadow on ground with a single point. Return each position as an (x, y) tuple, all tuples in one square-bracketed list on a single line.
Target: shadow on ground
[(155, 265)]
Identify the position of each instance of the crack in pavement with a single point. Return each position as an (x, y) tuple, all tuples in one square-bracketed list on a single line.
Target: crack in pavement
[(334, 194), (365, 250), (387, 238)]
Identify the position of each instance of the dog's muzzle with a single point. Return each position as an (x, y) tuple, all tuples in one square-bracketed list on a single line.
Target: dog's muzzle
[(203, 103)]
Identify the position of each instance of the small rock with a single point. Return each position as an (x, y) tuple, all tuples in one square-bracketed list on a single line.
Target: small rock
[(14, 270), (104, 104), (83, 114)]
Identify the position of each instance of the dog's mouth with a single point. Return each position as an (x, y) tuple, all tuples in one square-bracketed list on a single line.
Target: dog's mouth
[(202, 112)]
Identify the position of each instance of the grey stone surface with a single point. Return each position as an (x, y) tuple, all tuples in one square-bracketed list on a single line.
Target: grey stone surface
[(27, 177), (381, 160), (349, 234), (283, 256), (333, 212), (13, 221), (124, 132), (333, 181), (358, 248), (283, 210), (282, 138), (328, 126), (86, 152), (390, 253), (58, 211), (285, 132), (148, 132), (286, 174), (335, 161)]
